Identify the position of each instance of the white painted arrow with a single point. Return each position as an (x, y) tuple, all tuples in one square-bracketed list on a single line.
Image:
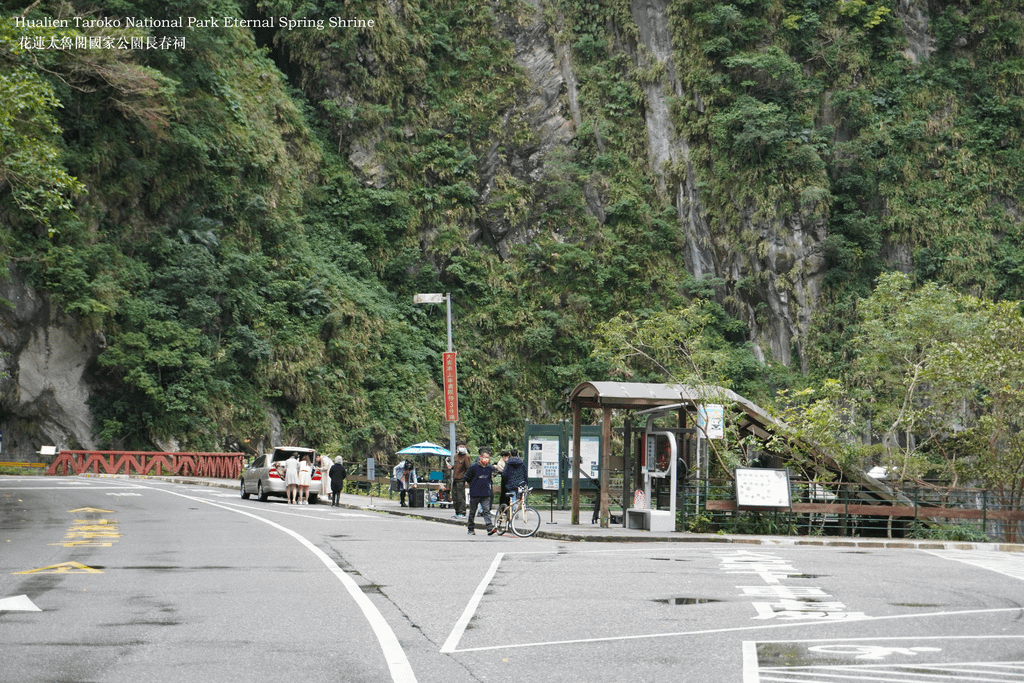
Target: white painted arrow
[(19, 603)]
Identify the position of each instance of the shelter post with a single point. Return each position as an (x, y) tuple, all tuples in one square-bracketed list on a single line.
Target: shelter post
[(606, 449), (576, 460), (627, 466)]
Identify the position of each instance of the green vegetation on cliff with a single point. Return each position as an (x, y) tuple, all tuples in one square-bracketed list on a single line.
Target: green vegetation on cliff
[(244, 218)]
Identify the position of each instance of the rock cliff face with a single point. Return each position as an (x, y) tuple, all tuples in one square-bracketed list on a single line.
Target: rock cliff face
[(789, 265), (787, 262), (43, 391)]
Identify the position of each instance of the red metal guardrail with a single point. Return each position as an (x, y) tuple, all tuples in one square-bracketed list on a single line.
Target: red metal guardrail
[(219, 465)]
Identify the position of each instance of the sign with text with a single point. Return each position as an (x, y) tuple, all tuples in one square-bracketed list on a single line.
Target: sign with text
[(711, 420), (757, 487), (590, 448), (543, 460), (451, 393)]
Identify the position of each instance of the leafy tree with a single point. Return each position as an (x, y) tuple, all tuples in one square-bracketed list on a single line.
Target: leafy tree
[(688, 346), (903, 333), (819, 432), (693, 344), (30, 156), (942, 375), (986, 371)]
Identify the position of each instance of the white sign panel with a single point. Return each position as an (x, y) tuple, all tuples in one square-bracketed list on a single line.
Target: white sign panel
[(590, 447), (711, 419), (543, 461), (757, 487)]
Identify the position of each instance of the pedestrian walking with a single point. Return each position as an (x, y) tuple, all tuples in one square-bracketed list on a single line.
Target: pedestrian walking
[(337, 475), (459, 464), (478, 477)]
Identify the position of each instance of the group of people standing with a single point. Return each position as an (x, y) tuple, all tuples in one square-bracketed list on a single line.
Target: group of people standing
[(478, 479), (298, 477), (472, 480)]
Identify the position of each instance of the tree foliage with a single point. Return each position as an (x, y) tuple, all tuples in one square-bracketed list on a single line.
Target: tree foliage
[(945, 379), (31, 173), (263, 204)]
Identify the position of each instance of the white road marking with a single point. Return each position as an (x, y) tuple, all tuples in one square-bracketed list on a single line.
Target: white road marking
[(736, 629), (902, 663), (394, 655), (1007, 564), (312, 512), (460, 626), (19, 603), (67, 487)]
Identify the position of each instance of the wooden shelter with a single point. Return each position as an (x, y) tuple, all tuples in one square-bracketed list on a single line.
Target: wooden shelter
[(753, 420), (630, 396)]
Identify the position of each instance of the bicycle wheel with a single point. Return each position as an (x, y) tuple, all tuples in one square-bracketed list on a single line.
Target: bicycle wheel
[(501, 521), (525, 522)]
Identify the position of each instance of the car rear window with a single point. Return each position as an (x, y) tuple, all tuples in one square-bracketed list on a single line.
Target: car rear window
[(281, 455)]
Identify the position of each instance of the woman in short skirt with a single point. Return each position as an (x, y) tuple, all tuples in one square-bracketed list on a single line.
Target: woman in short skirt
[(305, 479)]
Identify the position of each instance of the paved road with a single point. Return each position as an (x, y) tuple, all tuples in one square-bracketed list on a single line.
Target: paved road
[(113, 579)]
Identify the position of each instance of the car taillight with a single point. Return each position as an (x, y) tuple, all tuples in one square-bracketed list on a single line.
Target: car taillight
[(273, 473), (316, 475)]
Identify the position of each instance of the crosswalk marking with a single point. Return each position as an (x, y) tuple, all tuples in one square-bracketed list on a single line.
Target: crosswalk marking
[(1007, 564), (959, 671)]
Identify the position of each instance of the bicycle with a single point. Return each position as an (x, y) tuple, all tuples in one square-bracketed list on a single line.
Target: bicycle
[(518, 517)]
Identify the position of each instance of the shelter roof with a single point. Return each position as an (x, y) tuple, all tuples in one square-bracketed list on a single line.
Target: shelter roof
[(641, 396)]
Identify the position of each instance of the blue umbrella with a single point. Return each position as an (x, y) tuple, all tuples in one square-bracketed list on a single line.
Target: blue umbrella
[(424, 448)]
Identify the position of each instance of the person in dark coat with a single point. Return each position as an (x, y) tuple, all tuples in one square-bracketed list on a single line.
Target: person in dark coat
[(478, 478), (513, 477), (337, 474), (459, 465)]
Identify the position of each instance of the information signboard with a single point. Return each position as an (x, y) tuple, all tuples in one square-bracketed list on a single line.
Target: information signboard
[(548, 451), (543, 460), (756, 487), (590, 449)]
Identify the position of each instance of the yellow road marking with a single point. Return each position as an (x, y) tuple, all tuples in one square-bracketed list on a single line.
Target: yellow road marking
[(63, 568)]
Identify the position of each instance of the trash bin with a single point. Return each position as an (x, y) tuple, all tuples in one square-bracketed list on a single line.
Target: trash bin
[(415, 498)]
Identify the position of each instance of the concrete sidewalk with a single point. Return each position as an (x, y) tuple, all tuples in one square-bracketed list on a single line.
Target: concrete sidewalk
[(557, 525)]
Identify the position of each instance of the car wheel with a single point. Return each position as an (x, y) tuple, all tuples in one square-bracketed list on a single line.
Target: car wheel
[(260, 493), (312, 499), (245, 494)]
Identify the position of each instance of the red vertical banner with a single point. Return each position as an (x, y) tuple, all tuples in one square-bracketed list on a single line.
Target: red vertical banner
[(451, 392)]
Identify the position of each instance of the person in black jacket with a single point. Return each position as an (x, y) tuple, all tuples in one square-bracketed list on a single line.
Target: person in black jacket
[(478, 478), (513, 477), (337, 473)]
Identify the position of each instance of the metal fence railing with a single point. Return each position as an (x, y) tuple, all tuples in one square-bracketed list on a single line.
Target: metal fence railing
[(852, 510)]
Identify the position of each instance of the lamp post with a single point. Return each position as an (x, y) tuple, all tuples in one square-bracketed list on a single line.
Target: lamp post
[(451, 399)]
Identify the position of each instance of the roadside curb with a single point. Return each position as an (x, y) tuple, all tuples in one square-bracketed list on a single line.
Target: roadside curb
[(640, 536)]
